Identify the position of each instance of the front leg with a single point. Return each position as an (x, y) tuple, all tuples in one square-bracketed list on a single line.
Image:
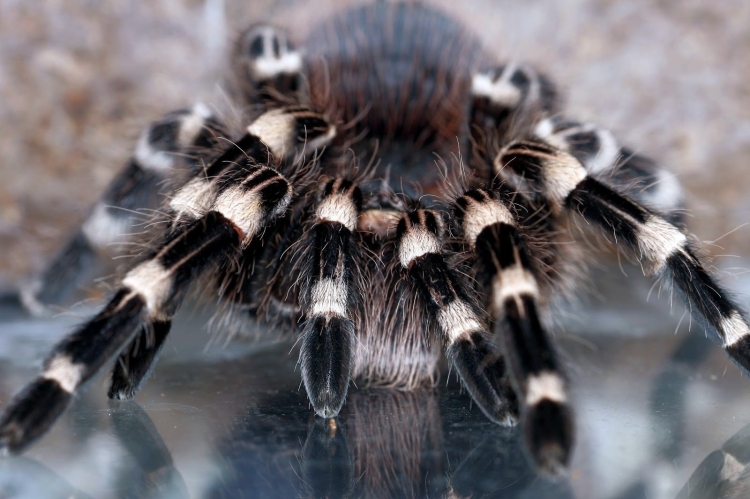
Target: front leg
[(509, 278), (330, 296), (150, 292), (451, 310)]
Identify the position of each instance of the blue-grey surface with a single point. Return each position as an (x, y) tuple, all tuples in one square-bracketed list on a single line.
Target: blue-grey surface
[(234, 421)]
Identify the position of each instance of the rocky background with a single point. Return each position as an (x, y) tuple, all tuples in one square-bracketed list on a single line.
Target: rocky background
[(80, 78)]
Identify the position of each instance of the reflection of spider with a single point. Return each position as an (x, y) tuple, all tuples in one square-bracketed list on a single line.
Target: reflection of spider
[(289, 226)]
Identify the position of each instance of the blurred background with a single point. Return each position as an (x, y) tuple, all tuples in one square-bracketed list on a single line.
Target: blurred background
[(79, 79)]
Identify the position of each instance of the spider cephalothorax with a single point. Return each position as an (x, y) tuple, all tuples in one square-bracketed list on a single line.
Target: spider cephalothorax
[(452, 234)]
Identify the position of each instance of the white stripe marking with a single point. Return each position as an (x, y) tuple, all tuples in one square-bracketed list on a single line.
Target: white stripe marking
[(606, 156), (265, 68), (562, 174), (67, 374), (276, 129), (479, 215), (666, 193), (658, 240), (338, 208), (609, 151), (734, 329), (544, 129), (160, 162), (500, 92), (329, 297), (243, 208), (731, 470), (192, 124), (457, 320), (194, 199), (102, 228), (153, 282), (545, 385), (511, 282), (416, 242)]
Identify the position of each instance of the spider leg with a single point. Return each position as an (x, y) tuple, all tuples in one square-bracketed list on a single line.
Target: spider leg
[(246, 198), (453, 311), (619, 167), (274, 134), (267, 66), (330, 297), (507, 100), (491, 231), (150, 291), (662, 247), (155, 160)]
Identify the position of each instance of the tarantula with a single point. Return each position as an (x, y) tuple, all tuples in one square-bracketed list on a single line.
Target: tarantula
[(385, 262)]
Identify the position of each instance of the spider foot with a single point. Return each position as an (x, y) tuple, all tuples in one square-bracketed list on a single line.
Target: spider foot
[(137, 361), (484, 375), (326, 358), (32, 413)]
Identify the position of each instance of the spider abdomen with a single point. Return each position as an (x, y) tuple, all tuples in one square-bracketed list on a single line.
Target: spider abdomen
[(397, 75)]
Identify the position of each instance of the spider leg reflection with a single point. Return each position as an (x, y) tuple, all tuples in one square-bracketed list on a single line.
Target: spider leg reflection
[(386, 443)]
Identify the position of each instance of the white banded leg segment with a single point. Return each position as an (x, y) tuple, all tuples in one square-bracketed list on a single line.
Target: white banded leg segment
[(666, 250), (511, 87), (286, 129), (505, 271), (273, 136), (250, 200), (600, 153), (596, 148), (150, 293), (113, 220), (74, 361), (269, 53), (254, 197), (160, 147), (504, 101), (267, 65), (251, 197), (160, 283), (62, 370), (451, 308), (553, 173), (330, 297)]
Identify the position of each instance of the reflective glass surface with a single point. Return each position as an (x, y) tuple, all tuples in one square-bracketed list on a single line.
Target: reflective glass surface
[(658, 406)]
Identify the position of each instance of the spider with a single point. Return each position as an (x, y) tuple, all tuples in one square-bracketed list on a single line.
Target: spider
[(396, 190)]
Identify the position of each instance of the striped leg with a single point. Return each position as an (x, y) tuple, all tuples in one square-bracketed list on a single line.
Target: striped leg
[(330, 297), (275, 134), (150, 292), (136, 361), (490, 229), (451, 309), (645, 235), (267, 66), (619, 167), (159, 151), (505, 98)]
